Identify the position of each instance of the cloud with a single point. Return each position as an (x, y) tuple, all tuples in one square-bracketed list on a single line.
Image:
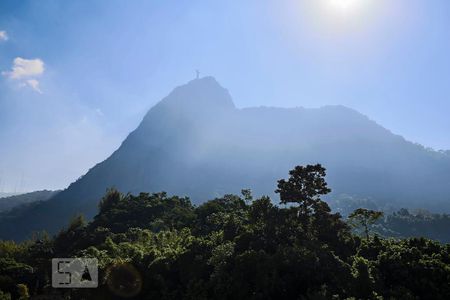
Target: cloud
[(25, 68), (3, 35), (25, 71), (34, 84)]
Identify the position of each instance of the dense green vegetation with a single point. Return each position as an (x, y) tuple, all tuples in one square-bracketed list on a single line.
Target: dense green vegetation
[(398, 223), (403, 224), (152, 246)]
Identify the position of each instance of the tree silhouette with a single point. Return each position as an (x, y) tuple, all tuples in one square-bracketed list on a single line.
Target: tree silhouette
[(364, 217), (304, 186)]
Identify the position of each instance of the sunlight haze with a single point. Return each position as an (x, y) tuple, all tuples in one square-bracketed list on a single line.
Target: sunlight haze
[(78, 77)]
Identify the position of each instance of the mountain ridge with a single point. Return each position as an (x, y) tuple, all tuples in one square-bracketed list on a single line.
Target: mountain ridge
[(196, 143)]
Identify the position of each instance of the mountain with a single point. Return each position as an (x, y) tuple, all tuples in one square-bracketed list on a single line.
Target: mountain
[(10, 202), (4, 195), (195, 142)]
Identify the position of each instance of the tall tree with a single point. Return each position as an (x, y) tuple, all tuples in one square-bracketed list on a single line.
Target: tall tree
[(362, 217), (305, 186)]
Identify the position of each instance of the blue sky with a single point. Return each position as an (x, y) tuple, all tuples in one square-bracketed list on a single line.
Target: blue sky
[(77, 76)]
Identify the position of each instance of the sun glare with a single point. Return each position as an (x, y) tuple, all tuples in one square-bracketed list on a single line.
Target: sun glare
[(345, 6)]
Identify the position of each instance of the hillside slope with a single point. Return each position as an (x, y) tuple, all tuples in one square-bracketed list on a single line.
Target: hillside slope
[(195, 142), (7, 203)]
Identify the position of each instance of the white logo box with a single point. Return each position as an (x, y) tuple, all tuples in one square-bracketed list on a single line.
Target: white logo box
[(74, 273)]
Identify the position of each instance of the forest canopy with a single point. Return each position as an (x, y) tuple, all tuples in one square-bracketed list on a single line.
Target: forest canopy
[(155, 246)]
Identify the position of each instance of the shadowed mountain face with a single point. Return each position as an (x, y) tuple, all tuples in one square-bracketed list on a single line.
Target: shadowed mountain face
[(195, 142), (10, 202)]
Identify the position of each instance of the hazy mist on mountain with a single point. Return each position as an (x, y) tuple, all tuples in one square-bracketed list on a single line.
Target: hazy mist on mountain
[(4, 195), (196, 143), (9, 202)]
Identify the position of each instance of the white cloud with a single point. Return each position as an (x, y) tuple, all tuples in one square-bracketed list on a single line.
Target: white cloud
[(25, 72), (34, 84), (25, 68), (3, 35)]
